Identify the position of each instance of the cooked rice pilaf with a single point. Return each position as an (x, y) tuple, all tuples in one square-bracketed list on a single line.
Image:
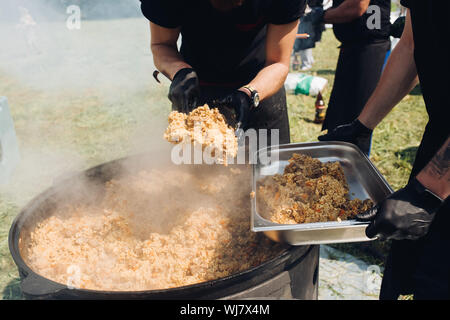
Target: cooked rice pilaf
[(308, 191), (142, 237)]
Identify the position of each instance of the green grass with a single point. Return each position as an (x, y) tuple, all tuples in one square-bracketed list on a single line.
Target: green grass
[(85, 128), (8, 273), (395, 5)]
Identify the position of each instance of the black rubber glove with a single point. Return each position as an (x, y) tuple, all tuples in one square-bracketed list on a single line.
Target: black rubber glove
[(405, 214), (397, 27), (240, 102), (184, 91), (354, 132), (315, 15)]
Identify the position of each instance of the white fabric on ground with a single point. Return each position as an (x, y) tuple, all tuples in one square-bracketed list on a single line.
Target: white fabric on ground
[(345, 277)]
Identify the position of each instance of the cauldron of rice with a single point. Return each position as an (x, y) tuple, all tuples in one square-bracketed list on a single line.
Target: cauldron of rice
[(91, 236)]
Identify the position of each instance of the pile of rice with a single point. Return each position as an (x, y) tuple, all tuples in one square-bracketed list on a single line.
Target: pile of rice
[(204, 127), (308, 191), (150, 232)]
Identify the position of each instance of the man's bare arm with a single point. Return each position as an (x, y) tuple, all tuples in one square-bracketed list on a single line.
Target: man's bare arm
[(398, 79), (279, 44), (166, 57), (348, 11), (436, 175)]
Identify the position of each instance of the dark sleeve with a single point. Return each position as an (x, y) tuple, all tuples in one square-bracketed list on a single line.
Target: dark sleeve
[(286, 11), (405, 3), (165, 13)]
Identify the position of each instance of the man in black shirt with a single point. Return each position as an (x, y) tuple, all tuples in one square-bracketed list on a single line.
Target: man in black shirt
[(363, 51), (233, 52), (416, 217)]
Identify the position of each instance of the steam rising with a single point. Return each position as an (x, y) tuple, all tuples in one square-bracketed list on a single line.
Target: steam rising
[(77, 97), (40, 50)]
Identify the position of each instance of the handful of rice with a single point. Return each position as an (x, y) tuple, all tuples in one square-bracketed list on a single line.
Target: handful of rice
[(204, 127)]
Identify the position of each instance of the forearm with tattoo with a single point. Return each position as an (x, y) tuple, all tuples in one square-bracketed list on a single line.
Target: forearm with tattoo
[(439, 165), (436, 175)]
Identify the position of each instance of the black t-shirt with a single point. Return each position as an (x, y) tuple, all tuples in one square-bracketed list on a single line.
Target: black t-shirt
[(431, 52), (223, 47), (357, 30), (432, 57), (315, 3)]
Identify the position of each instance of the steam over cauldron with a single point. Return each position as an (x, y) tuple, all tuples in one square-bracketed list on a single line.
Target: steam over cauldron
[(291, 274)]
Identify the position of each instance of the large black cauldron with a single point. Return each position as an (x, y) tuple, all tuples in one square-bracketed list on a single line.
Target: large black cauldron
[(293, 274)]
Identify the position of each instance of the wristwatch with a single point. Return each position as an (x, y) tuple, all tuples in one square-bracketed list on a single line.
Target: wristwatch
[(254, 96)]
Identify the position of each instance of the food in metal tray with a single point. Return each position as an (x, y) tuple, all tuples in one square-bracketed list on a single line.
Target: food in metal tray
[(142, 237), (205, 127), (308, 191)]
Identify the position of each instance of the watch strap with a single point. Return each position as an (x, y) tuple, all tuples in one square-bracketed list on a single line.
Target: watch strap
[(253, 93)]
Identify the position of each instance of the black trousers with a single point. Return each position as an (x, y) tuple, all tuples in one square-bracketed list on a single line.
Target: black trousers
[(357, 73), (422, 267), (270, 114)]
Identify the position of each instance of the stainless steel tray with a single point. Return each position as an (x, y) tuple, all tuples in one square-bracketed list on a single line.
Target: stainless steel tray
[(364, 181)]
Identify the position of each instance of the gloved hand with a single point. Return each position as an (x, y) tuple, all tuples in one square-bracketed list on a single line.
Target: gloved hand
[(397, 27), (184, 91), (354, 132), (240, 102), (315, 15), (405, 214)]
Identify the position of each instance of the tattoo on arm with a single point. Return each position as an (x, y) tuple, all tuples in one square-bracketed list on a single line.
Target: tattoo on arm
[(440, 164)]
